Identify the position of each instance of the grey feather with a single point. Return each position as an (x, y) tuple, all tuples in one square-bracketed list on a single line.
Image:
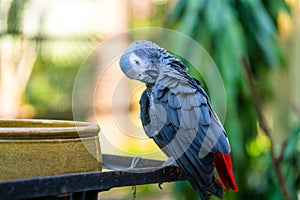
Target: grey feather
[(164, 98), (173, 101), (158, 92), (173, 116), (189, 119), (204, 116), (176, 114)]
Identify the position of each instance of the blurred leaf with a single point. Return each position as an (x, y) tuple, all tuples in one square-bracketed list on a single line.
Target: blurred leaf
[(189, 19), (291, 161), (229, 30), (177, 12), (184, 191), (15, 16), (275, 7), (258, 25), (293, 144)]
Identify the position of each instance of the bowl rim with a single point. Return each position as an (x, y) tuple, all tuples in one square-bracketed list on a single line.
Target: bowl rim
[(26, 129)]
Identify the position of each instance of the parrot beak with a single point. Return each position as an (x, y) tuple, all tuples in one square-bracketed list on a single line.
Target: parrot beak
[(152, 72), (145, 74), (149, 75)]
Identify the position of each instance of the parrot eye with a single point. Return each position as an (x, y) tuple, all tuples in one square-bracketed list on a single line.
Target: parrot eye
[(136, 62)]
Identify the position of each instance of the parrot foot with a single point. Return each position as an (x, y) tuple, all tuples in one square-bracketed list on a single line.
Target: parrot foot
[(170, 162), (159, 185), (134, 162)]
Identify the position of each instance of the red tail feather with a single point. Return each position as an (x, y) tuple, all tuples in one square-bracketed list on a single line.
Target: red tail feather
[(224, 169)]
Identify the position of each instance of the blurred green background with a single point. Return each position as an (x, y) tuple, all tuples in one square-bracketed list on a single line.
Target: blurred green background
[(43, 43)]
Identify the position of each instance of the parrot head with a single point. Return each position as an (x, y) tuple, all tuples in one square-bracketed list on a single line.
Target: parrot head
[(141, 61)]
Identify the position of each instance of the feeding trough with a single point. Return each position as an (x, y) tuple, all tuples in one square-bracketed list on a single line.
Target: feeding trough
[(32, 148), (42, 153)]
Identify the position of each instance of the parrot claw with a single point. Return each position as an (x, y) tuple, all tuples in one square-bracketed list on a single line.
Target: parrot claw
[(134, 162), (159, 185), (170, 162)]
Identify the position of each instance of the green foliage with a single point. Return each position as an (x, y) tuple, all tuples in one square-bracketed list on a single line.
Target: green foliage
[(51, 84), (229, 30), (15, 16), (184, 191), (291, 161), (49, 90)]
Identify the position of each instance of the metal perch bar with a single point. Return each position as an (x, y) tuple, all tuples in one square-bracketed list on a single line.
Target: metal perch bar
[(87, 185)]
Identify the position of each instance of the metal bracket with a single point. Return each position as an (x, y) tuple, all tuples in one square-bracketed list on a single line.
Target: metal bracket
[(87, 185)]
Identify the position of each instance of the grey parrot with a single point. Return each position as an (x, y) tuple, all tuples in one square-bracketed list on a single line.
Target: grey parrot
[(176, 113)]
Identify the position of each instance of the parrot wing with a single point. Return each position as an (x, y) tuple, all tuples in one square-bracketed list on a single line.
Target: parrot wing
[(184, 105), (178, 116)]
